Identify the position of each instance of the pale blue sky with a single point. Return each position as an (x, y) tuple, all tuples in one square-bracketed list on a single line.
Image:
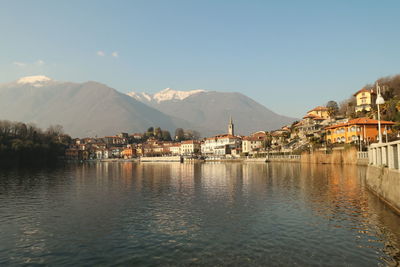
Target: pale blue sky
[(288, 55)]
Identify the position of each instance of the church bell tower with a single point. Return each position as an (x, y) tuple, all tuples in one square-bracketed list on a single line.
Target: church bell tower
[(231, 127)]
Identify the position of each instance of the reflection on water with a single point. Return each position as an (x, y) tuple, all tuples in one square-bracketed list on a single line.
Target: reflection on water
[(205, 214)]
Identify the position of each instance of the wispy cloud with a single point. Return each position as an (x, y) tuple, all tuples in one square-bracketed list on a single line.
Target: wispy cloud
[(19, 64), (101, 53), (39, 62)]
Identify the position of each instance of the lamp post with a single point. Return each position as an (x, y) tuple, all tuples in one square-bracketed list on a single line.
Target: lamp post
[(379, 101)]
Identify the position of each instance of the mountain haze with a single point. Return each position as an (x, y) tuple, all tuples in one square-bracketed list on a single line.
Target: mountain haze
[(210, 111), (92, 108), (83, 109)]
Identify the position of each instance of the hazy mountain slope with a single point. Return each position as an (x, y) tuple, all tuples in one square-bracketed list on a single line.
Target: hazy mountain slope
[(86, 109), (210, 111)]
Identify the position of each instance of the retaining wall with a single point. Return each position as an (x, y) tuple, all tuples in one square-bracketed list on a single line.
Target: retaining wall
[(385, 183), (348, 156), (161, 159)]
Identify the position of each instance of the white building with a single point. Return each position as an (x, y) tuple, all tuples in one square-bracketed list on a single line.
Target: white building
[(220, 145), (254, 143), (251, 145), (190, 147), (175, 149)]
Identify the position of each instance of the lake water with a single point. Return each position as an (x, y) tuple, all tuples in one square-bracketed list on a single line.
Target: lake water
[(194, 214)]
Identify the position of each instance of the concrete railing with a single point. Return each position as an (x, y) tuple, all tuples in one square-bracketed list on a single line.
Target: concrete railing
[(362, 155), (161, 159), (385, 154), (283, 157)]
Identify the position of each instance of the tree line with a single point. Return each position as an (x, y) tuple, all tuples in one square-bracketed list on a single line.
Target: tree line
[(22, 143), (164, 135)]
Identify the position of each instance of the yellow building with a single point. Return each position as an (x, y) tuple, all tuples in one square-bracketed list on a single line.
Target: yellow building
[(322, 112), (364, 129), (365, 98)]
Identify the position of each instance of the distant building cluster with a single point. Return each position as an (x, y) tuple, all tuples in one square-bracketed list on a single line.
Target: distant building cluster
[(127, 146), (319, 127)]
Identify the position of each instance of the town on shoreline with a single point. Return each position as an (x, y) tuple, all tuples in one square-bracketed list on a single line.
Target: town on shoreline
[(324, 128)]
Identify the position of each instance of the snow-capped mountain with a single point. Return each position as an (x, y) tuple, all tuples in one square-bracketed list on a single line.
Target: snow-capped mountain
[(209, 111), (35, 81), (143, 97), (167, 94), (92, 108), (83, 109)]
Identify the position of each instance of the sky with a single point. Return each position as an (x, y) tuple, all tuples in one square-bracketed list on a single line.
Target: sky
[(288, 55)]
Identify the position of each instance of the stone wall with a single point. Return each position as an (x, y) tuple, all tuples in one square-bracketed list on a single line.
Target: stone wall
[(161, 159), (385, 183), (284, 160), (346, 156)]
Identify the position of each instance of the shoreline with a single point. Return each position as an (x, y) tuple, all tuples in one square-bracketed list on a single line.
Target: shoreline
[(359, 162)]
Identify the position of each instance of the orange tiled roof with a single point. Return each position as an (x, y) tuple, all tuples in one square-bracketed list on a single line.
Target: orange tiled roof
[(360, 121), (314, 117), (364, 90), (175, 145), (189, 142), (259, 133), (319, 108), (317, 118), (252, 138), (222, 136), (277, 133), (298, 124), (225, 136)]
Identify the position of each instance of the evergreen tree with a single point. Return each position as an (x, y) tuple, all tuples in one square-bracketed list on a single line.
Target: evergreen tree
[(333, 108), (179, 134), (166, 136)]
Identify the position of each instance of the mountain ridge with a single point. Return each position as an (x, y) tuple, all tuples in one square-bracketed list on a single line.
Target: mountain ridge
[(84, 109), (166, 94), (92, 108), (212, 109)]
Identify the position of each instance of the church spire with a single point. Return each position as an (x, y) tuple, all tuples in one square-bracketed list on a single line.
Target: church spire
[(231, 128)]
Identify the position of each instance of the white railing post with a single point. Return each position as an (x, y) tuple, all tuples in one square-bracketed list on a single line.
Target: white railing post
[(390, 156), (398, 156), (384, 156), (373, 156), (378, 156)]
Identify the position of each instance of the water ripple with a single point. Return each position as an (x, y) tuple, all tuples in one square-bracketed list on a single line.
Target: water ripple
[(194, 214)]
